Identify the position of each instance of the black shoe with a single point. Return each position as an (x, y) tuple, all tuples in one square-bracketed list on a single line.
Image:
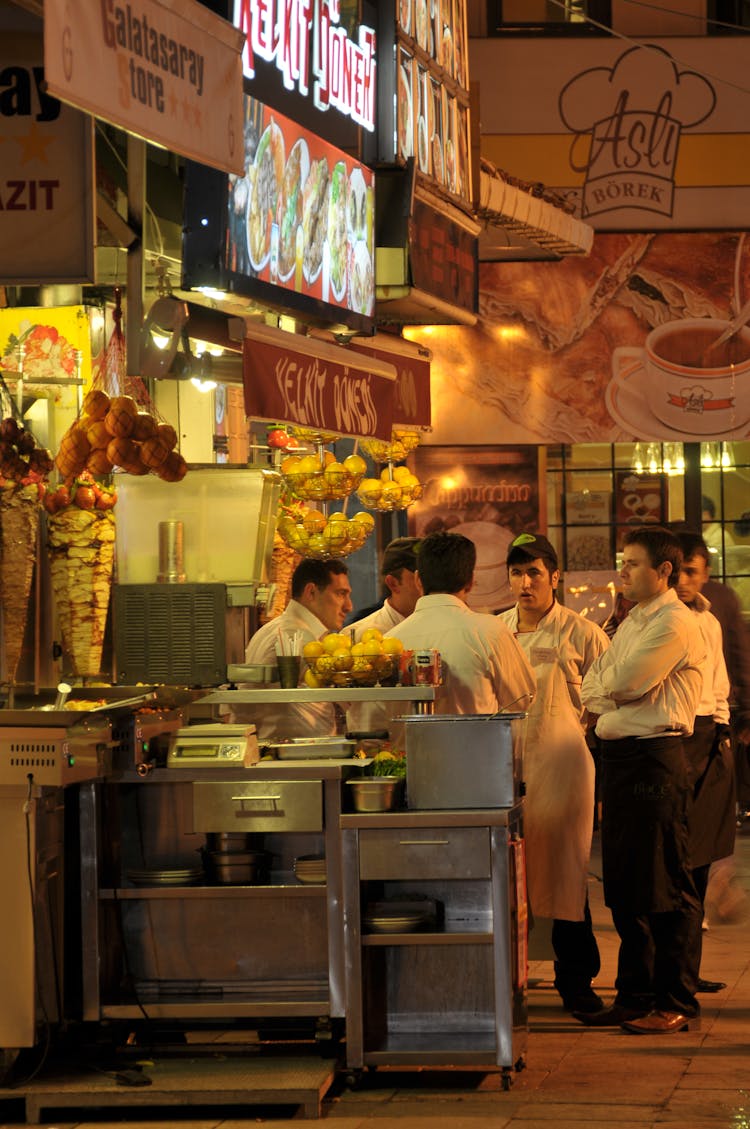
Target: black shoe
[(586, 1001), (709, 985), (611, 1016)]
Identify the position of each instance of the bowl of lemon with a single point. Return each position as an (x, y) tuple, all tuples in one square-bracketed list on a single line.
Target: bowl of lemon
[(325, 536), (321, 478), (335, 661), (396, 489), (401, 444)]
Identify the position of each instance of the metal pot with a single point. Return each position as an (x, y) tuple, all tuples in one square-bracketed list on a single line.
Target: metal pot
[(228, 840), (375, 793), (240, 868)]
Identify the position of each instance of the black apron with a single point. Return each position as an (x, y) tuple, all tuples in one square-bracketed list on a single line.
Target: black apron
[(713, 816), (646, 797)]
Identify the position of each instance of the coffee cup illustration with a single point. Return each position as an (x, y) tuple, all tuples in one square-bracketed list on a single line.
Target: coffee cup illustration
[(692, 384)]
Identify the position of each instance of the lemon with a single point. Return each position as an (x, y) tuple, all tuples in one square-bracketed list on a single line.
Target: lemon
[(334, 472), (386, 475), (290, 465), (316, 543), (335, 535), (323, 665), (314, 521), (337, 516), (334, 642), (311, 680), (309, 464), (355, 465), (371, 633), (312, 650), (401, 474), (342, 659), (391, 493), (372, 649), (392, 645), (367, 521), (358, 650), (370, 490)]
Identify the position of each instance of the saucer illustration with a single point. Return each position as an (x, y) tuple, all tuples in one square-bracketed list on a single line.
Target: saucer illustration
[(625, 397)]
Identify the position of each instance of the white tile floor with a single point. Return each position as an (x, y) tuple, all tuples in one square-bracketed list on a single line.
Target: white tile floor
[(574, 1077)]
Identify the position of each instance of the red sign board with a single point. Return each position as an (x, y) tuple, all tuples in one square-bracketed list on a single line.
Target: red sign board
[(313, 389), (412, 407)]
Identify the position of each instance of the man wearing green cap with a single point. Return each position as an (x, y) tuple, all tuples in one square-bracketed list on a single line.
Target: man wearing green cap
[(558, 767)]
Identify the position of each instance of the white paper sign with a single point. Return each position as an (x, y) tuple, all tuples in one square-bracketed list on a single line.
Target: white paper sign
[(46, 175), (167, 70)]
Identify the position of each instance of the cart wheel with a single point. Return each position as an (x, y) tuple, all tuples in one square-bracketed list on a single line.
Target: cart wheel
[(353, 1078), (506, 1079)]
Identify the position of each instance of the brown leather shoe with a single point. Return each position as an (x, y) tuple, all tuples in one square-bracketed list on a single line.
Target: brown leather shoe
[(613, 1016), (662, 1023)]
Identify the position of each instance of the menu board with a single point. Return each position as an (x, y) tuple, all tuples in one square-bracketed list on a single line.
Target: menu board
[(433, 92), (301, 218)]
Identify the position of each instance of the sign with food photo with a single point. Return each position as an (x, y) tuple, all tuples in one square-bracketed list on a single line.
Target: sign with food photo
[(302, 217)]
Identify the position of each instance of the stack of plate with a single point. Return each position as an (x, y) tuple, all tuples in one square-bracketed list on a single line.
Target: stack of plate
[(187, 876), (399, 916), (310, 869)]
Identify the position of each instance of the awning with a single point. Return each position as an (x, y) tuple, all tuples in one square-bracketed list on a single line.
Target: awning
[(287, 377), (305, 382), (519, 225), (412, 407)]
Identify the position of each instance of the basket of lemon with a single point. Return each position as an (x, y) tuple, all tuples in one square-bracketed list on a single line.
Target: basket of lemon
[(321, 478), (396, 489), (335, 661), (312, 533), (402, 443)]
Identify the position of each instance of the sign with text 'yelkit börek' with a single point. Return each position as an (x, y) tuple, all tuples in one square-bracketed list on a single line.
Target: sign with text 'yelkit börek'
[(169, 71)]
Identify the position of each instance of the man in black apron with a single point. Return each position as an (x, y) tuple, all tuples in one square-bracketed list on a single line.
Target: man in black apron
[(708, 750), (646, 690)]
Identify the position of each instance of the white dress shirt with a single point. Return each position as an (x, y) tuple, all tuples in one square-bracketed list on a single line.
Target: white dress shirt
[(565, 637), (714, 700), (484, 669), (649, 681), (285, 720)]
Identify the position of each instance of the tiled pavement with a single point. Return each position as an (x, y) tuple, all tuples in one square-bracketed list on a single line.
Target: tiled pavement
[(574, 1076)]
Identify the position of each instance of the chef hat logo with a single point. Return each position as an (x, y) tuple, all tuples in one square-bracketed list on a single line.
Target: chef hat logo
[(627, 120)]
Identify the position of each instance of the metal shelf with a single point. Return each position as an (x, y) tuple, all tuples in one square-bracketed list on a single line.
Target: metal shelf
[(420, 937), (327, 694), (188, 893)]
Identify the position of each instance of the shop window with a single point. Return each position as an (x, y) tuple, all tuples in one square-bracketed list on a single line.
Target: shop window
[(728, 17), (542, 17), (596, 492)]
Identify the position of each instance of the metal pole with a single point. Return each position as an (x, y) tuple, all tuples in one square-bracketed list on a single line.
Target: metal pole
[(135, 271)]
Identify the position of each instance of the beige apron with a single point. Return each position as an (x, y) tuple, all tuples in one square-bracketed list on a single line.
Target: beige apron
[(559, 774)]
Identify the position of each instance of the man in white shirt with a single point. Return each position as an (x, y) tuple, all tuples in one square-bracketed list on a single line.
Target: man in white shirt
[(558, 818), (397, 569), (321, 601), (646, 689), (484, 669), (709, 752)]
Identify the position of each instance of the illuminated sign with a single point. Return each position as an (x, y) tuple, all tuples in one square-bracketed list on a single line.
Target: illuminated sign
[(305, 41), (302, 218)]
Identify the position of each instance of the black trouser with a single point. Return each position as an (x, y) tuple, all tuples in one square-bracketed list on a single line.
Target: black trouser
[(647, 796), (659, 958), (577, 959)]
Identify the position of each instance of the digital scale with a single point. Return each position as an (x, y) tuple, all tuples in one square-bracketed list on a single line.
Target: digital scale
[(203, 746)]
